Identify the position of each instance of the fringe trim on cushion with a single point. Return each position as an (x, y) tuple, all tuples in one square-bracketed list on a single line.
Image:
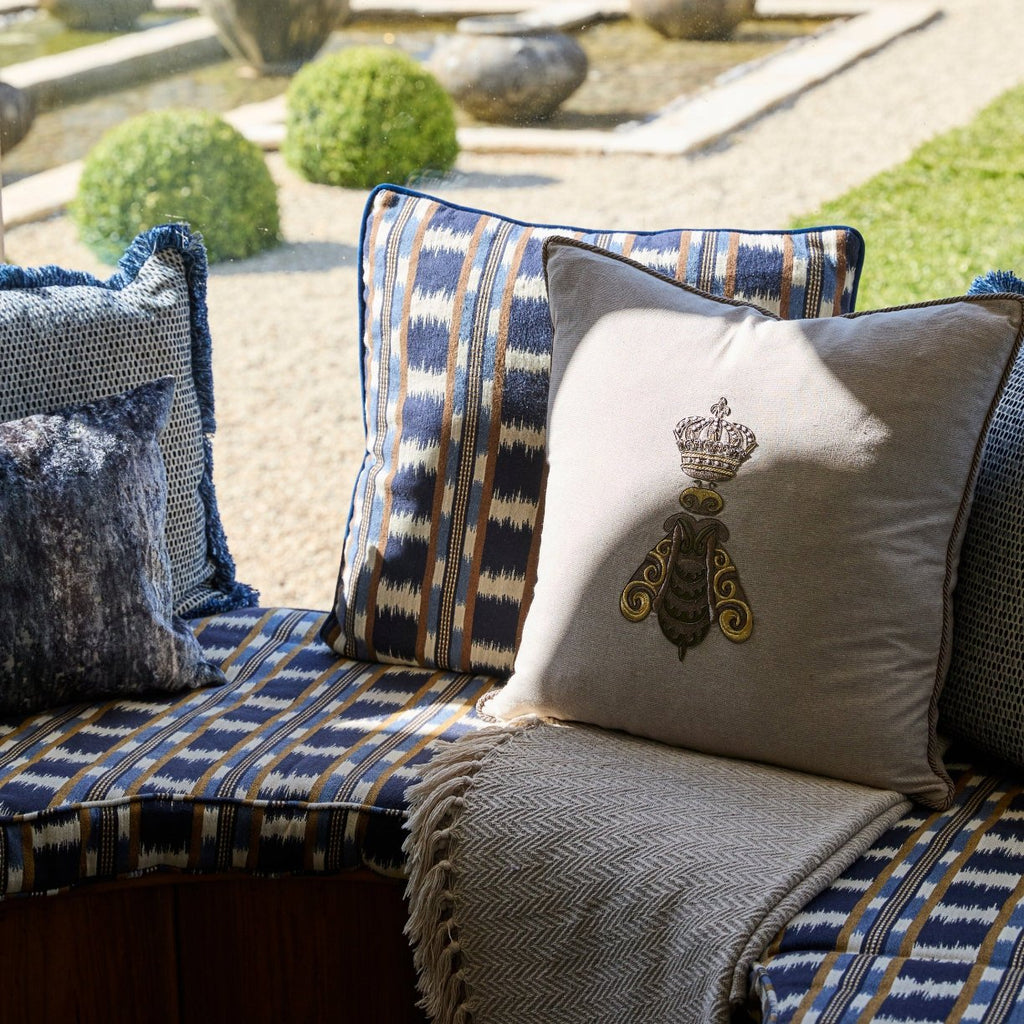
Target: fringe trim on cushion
[(435, 805), (996, 281)]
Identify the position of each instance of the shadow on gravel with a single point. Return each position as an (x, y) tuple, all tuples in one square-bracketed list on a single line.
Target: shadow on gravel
[(292, 257)]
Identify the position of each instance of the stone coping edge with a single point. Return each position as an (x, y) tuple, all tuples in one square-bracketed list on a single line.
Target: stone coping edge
[(682, 127)]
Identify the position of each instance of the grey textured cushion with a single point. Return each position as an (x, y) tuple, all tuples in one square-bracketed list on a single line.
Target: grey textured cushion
[(84, 573), (983, 700), (794, 606), (66, 337)]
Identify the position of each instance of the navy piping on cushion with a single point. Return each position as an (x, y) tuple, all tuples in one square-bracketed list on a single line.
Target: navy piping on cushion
[(190, 246)]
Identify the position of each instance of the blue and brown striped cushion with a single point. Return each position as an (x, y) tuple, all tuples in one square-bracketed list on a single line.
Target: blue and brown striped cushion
[(927, 926), (440, 546), (300, 763)]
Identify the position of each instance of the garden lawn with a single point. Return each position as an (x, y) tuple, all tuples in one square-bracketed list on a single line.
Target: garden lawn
[(954, 210)]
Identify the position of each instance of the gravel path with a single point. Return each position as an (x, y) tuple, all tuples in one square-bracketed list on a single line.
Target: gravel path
[(284, 324)]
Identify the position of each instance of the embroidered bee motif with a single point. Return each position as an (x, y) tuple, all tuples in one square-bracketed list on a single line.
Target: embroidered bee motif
[(688, 578)]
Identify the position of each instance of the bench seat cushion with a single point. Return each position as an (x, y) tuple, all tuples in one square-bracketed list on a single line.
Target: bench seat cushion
[(300, 763), (928, 925)]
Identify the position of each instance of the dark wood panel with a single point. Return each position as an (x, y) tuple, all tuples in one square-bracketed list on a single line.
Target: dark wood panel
[(167, 948), (96, 957), (296, 949)]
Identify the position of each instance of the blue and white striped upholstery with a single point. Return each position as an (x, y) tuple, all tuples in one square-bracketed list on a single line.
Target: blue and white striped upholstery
[(300, 763), (927, 926), (441, 541)]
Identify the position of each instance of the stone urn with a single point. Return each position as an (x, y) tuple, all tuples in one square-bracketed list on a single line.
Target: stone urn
[(692, 19), (17, 111), (275, 36), (501, 69), (98, 15)]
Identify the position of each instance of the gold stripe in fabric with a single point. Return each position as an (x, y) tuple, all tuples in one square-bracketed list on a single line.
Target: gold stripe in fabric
[(466, 469), (245, 645), (170, 715), (403, 390), (683, 258), (465, 655), (316, 790), (813, 290), (870, 1011), (786, 284), (816, 987), (985, 951), (444, 443), (61, 736), (199, 787), (375, 673), (841, 271), (461, 708), (889, 913), (195, 847), (313, 710), (952, 870), (412, 727), (393, 252), (84, 832), (11, 746), (856, 916), (134, 833), (729, 285)]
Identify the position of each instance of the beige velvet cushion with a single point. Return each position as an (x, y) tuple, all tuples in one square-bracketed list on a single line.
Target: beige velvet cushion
[(794, 607)]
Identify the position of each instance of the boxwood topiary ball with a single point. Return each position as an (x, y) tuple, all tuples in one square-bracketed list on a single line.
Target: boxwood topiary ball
[(177, 165), (366, 115)]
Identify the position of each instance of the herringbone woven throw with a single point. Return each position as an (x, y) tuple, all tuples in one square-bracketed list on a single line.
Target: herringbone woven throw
[(568, 874)]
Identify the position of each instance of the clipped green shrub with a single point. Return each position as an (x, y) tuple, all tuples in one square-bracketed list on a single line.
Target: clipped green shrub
[(366, 115), (177, 166)]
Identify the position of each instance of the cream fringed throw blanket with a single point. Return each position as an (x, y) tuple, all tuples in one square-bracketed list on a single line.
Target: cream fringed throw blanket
[(568, 874)]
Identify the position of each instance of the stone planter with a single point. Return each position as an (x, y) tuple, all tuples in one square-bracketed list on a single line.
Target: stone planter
[(500, 69), (16, 115), (275, 36), (692, 19), (98, 15)]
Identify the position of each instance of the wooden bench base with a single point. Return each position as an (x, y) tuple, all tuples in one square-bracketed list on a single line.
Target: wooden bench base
[(174, 948)]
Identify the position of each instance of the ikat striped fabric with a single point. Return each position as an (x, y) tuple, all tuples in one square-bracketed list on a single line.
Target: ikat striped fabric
[(441, 540), (299, 764), (927, 926)]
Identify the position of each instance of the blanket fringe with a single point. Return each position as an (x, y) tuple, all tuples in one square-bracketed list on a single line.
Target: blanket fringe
[(435, 806)]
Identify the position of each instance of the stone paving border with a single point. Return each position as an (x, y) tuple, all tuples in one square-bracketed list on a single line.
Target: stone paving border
[(696, 121), (686, 126)]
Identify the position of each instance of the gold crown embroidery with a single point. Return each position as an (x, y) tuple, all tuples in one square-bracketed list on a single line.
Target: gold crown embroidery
[(688, 577)]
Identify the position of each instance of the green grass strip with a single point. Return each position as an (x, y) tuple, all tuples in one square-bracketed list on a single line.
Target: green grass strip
[(954, 210)]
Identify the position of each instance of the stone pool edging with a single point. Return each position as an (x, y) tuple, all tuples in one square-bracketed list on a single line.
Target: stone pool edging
[(684, 126)]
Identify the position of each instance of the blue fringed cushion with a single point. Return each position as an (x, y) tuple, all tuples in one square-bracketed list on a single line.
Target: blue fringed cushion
[(983, 699), (440, 546), (84, 573), (67, 337)]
